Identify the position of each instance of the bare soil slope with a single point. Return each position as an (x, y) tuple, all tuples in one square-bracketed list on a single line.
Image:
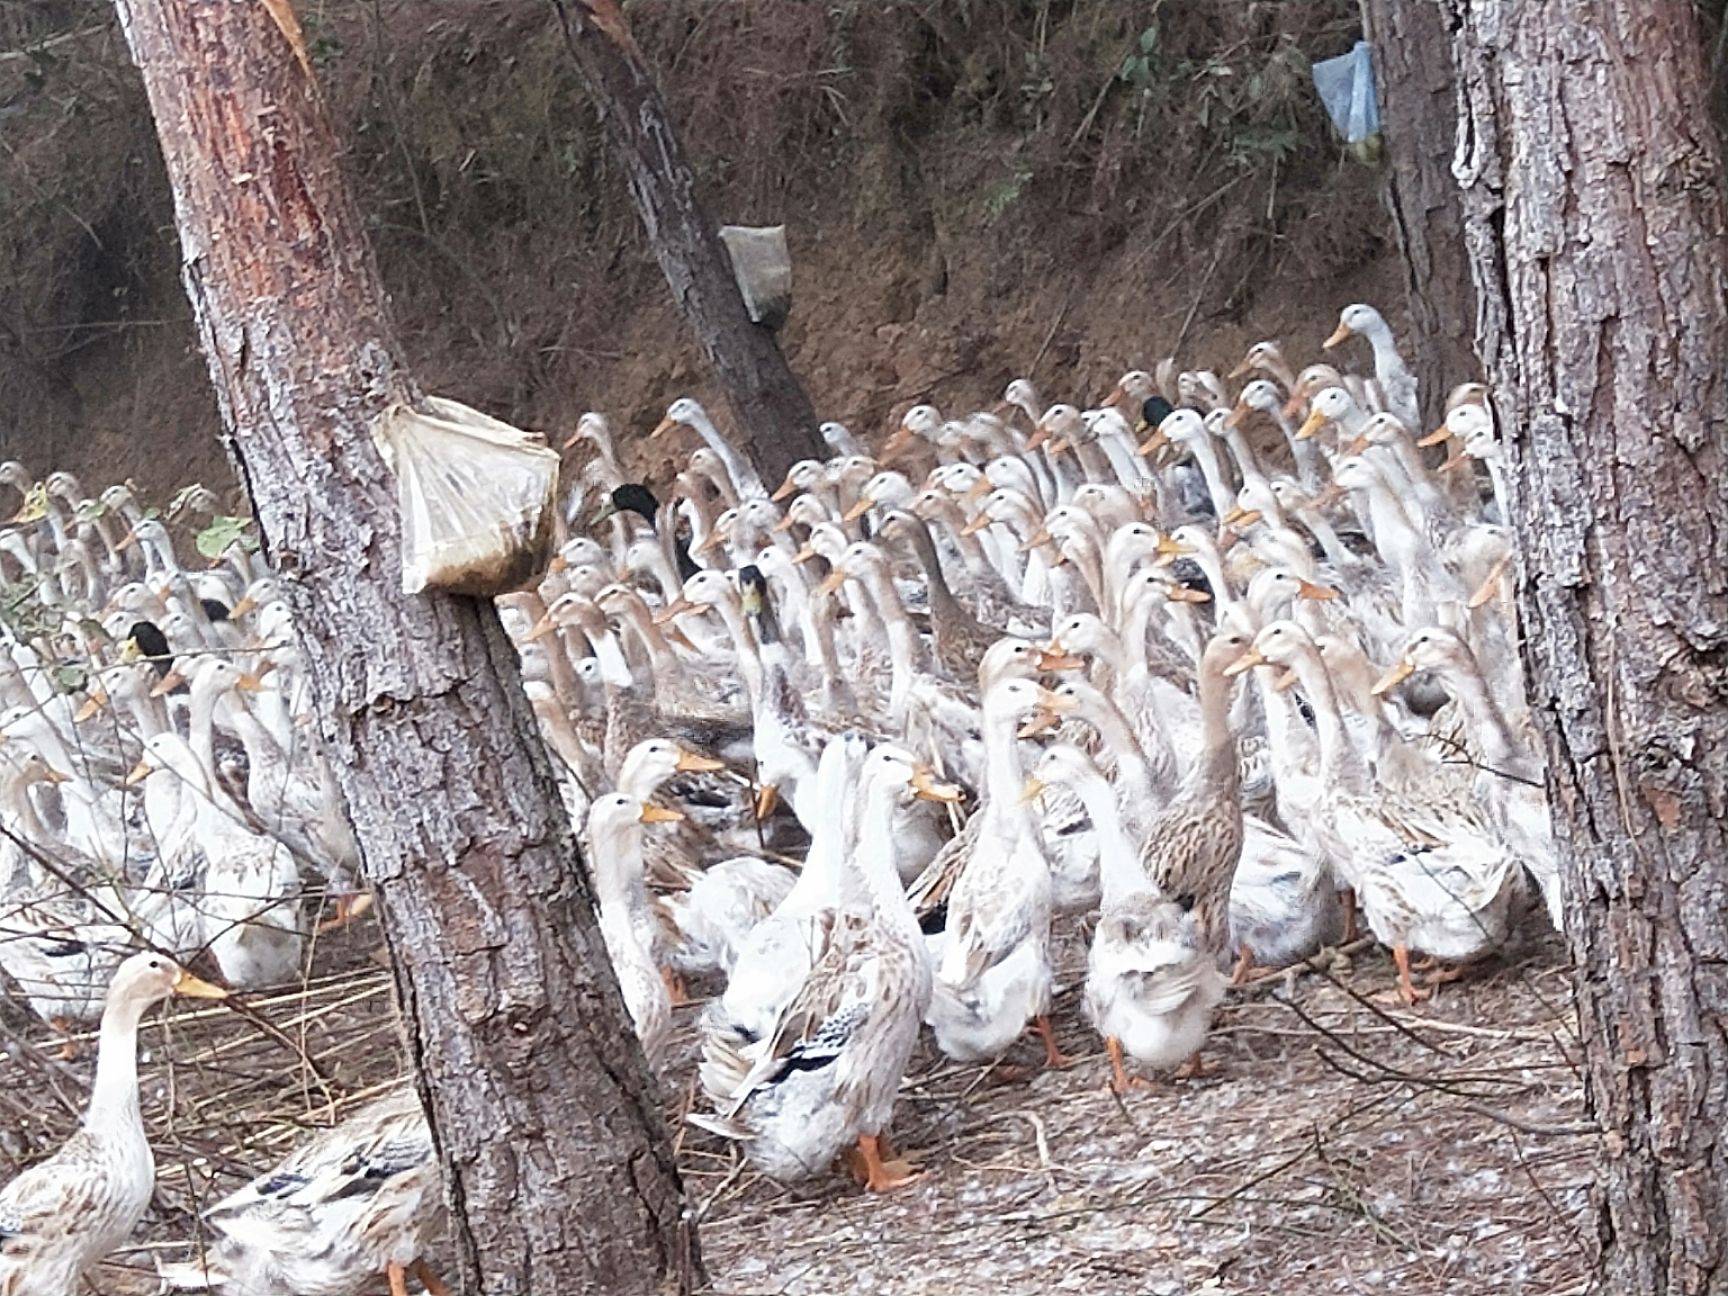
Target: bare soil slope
[(973, 191)]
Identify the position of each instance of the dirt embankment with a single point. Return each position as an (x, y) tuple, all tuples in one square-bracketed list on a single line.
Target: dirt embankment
[(974, 190)]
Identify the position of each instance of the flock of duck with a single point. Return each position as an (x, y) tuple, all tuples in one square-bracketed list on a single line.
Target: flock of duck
[(1227, 679)]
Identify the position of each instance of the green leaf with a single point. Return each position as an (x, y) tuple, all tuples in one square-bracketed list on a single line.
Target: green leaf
[(70, 677), (223, 531)]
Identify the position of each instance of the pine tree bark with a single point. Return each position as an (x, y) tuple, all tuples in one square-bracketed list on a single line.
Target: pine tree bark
[(1418, 117), (560, 1173), (1598, 231), (776, 424)]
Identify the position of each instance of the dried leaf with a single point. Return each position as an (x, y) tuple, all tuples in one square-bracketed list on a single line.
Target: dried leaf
[(609, 18), (283, 12), (1666, 805)]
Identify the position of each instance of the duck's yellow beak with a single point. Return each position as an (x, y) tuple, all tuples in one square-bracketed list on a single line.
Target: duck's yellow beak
[(858, 510), (664, 426), (188, 986), (1435, 437), (1310, 425), (1169, 550), (96, 700), (690, 762), (1319, 593), (676, 608), (167, 684), (1245, 663), (653, 814), (1340, 334), (1039, 537), (926, 788), (767, 797), (136, 775), (1394, 677)]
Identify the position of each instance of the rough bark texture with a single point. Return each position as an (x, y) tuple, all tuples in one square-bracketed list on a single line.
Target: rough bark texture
[(1593, 184), (1418, 117), (559, 1168), (776, 424)]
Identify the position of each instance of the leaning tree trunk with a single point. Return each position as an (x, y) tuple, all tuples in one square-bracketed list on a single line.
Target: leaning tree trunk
[(776, 423), (558, 1164), (1418, 117), (1599, 236)]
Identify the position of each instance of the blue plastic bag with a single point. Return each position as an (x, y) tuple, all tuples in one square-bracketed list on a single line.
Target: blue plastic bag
[(1346, 86)]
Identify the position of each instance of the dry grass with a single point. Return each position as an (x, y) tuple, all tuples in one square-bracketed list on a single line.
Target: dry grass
[(1335, 1144)]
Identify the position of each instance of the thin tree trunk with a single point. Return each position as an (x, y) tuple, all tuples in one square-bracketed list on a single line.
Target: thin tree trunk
[(776, 424), (1599, 238), (1419, 115), (559, 1170)]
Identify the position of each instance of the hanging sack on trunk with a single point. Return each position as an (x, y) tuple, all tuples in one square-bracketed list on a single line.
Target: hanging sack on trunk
[(762, 265), (476, 498)]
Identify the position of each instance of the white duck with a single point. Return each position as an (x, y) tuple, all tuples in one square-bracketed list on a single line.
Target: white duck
[(59, 1218)]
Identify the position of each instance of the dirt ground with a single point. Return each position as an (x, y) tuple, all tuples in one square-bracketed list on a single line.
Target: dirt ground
[(1335, 1144)]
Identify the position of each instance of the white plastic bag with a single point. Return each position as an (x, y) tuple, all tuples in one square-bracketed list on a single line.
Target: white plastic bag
[(762, 265), (476, 498), (1346, 86)]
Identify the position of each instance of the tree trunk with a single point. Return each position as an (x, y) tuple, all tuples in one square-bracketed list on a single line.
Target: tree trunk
[(559, 1169), (776, 423), (1599, 244), (1419, 116)]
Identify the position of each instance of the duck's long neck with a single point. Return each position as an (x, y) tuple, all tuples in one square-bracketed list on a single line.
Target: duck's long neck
[(1088, 559), (1331, 544), (1119, 870), (818, 881), (1341, 764), (738, 468), (1387, 362), (1246, 463), (1487, 723), (114, 1095), (875, 861), (22, 812), (1395, 538), (1206, 455), (1003, 775), (943, 604), (903, 641), (618, 871), (1217, 769), (201, 730), (1133, 772)]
